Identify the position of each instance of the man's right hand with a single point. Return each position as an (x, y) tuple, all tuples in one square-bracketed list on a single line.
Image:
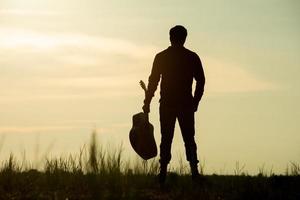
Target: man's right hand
[(146, 108)]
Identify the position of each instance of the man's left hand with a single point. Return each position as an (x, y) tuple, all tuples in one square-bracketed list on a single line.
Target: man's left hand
[(146, 108), (195, 106)]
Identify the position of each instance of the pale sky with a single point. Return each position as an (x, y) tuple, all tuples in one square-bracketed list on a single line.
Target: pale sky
[(68, 67)]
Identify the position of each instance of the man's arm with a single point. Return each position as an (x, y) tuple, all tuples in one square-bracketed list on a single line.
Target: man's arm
[(200, 82), (152, 84)]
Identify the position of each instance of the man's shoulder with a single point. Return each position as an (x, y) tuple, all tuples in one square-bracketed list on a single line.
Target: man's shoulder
[(192, 53), (163, 52)]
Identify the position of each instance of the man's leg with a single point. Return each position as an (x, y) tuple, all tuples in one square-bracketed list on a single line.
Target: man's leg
[(167, 125), (187, 125)]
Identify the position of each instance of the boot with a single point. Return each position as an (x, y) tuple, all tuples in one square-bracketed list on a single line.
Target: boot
[(162, 174), (194, 171)]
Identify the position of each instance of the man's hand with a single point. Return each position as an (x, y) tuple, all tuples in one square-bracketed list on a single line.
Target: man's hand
[(195, 106), (146, 108)]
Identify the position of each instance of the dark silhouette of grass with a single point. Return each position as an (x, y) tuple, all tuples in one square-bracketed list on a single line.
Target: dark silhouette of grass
[(94, 173)]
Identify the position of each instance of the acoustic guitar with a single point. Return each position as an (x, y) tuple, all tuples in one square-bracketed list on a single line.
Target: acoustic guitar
[(141, 135)]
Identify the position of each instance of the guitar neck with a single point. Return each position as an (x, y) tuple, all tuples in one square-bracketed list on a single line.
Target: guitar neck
[(143, 85)]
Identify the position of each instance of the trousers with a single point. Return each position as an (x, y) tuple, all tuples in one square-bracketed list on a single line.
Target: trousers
[(186, 121)]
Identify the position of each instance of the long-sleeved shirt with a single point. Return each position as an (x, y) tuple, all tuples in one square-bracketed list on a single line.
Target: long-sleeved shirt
[(176, 67)]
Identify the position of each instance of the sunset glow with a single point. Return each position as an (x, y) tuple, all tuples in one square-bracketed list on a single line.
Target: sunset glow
[(70, 67)]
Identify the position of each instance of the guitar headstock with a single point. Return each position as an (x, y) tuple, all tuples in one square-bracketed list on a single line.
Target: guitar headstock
[(142, 84)]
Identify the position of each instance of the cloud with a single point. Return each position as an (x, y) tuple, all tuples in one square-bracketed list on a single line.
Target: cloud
[(77, 66), (224, 77), (83, 88), (28, 40), (33, 129), (24, 13), (45, 66)]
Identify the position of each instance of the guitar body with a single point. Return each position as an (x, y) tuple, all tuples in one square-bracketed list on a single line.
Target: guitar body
[(141, 136)]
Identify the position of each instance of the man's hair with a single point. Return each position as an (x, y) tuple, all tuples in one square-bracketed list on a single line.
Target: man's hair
[(178, 35)]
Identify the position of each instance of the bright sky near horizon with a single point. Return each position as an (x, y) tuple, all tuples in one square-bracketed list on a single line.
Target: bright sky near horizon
[(68, 67)]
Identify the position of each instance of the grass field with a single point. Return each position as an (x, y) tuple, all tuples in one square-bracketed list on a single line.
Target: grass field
[(98, 174)]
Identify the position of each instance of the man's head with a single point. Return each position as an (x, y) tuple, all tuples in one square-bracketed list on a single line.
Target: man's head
[(178, 35)]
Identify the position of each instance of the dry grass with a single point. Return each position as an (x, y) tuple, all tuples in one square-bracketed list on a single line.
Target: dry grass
[(96, 173)]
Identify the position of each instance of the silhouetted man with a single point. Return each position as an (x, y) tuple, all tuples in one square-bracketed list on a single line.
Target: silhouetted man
[(176, 67)]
